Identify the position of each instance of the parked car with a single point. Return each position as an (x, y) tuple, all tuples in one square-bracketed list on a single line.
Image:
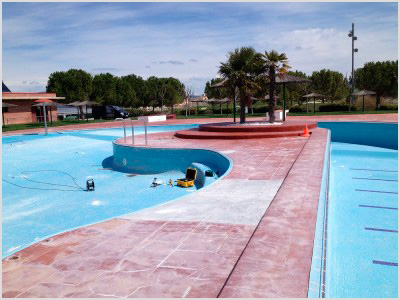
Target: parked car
[(108, 112)]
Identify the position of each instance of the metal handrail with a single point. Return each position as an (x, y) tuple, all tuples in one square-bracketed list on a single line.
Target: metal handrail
[(132, 128)]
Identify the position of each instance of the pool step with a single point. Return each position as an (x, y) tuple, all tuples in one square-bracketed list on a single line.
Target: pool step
[(198, 134)]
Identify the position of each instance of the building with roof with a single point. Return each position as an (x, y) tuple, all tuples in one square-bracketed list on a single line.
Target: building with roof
[(25, 107)]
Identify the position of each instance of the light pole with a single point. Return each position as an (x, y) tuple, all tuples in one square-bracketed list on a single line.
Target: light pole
[(353, 50)]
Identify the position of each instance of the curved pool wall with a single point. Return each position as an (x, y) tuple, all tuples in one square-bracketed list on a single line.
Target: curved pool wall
[(356, 140), (384, 135), (38, 209), (141, 160)]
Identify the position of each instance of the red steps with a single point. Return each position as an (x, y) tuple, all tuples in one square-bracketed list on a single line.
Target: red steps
[(197, 134), (229, 127), (232, 131)]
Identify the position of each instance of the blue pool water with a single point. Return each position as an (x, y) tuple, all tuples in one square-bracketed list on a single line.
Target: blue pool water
[(362, 217), (43, 177)]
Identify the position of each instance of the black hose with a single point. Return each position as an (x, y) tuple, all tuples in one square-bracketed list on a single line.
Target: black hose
[(77, 187)]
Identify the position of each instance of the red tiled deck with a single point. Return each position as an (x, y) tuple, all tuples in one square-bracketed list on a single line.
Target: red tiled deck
[(142, 258)]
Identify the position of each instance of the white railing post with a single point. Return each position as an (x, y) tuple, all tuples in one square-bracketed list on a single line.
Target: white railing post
[(123, 123), (133, 132)]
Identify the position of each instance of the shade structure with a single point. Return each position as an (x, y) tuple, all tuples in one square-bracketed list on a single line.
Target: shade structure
[(220, 101), (76, 103), (88, 103), (363, 93), (286, 78), (279, 79), (312, 95), (197, 101), (6, 105), (47, 104), (44, 103)]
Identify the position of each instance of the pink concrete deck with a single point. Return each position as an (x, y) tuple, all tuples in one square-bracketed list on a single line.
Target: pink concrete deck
[(156, 258), (367, 117)]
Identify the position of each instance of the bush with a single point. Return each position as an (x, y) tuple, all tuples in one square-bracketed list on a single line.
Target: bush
[(341, 106), (296, 108), (228, 110), (191, 112), (260, 109), (388, 107)]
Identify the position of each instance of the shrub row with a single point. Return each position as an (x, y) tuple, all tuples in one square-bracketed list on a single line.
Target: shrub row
[(341, 106), (388, 107)]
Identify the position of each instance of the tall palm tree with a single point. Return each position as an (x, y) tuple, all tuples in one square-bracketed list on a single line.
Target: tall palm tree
[(275, 64), (240, 72)]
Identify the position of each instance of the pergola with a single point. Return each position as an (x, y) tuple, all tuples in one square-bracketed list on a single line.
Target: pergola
[(220, 101), (197, 101), (284, 79), (83, 103), (49, 104), (363, 93), (44, 103), (88, 103), (312, 95)]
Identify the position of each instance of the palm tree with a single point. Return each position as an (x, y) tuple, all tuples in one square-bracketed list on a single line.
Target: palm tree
[(240, 72), (275, 64)]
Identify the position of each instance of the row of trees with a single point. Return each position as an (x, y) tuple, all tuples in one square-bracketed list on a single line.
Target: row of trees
[(105, 88), (252, 73)]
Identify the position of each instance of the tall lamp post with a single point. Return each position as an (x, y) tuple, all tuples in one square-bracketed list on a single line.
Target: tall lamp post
[(353, 50)]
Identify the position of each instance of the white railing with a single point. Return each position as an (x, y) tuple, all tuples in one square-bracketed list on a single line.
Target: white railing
[(133, 128)]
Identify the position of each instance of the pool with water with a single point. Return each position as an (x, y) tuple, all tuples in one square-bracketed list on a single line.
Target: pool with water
[(44, 178), (361, 248)]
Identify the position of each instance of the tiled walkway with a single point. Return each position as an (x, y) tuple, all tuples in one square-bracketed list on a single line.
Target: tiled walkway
[(203, 245)]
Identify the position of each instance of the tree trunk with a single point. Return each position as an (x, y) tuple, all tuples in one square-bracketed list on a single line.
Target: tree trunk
[(271, 101), (242, 107)]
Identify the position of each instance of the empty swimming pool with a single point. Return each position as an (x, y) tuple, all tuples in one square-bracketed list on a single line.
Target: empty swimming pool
[(44, 181), (362, 215)]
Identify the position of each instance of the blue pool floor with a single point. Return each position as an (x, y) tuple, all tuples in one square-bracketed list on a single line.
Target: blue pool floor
[(362, 249), (41, 176)]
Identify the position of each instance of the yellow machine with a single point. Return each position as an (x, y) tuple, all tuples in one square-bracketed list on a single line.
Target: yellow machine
[(189, 180)]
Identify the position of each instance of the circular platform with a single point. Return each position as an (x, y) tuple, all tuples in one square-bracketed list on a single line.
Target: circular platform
[(251, 130)]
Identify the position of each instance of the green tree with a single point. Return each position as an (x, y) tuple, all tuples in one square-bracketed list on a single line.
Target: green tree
[(329, 83), (125, 94), (104, 89), (240, 72), (379, 77), (140, 87), (74, 85), (275, 64)]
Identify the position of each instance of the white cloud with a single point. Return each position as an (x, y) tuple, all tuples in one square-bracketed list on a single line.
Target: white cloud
[(126, 38)]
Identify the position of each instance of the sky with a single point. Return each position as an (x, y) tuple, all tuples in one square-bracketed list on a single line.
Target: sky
[(186, 40)]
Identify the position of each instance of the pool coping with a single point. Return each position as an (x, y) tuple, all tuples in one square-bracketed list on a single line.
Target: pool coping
[(318, 265)]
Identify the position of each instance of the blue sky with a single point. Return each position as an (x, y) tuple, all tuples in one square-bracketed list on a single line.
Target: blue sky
[(186, 40)]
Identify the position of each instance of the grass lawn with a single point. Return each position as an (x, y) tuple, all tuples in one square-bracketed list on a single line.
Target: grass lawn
[(54, 124)]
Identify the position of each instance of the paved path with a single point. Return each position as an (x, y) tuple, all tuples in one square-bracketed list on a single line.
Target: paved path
[(358, 117)]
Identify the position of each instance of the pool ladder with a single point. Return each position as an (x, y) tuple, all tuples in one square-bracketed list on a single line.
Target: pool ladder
[(133, 127)]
